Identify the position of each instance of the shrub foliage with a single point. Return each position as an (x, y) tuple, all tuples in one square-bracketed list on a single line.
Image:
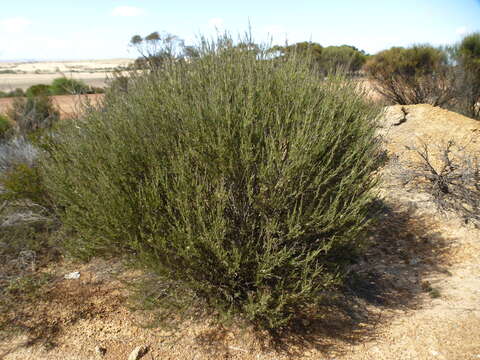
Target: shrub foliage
[(33, 113), (326, 59), (467, 54), (5, 127), (415, 75), (66, 86), (240, 182)]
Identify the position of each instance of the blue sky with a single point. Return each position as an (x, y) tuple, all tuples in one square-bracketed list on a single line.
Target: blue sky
[(100, 29)]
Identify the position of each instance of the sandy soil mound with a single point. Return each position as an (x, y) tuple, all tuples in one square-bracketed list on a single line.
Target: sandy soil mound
[(416, 294), (427, 123)]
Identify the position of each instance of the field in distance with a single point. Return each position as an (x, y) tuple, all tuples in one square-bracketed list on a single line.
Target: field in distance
[(22, 75)]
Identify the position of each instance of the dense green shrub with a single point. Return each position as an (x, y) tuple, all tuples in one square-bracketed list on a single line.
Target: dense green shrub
[(38, 90), (6, 127), (238, 181), (414, 75), (345, 57), (33, 113), (23, 182), (65, 86)]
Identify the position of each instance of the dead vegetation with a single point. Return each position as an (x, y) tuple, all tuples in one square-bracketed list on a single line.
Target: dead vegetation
[(450, 174)]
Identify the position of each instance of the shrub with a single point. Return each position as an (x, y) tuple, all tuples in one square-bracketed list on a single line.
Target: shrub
[(33, 113), (467, 55), (239, 182), (450, 174), (13, 93), (415, 75), (20, 178), (38, 90), (16, 93), (17, 151), (23, 182), (5, 127), (64, 86), (344, 57)]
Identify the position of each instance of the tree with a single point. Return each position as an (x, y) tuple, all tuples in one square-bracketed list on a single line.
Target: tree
[(157, 48), (326, 59), (345, 57)]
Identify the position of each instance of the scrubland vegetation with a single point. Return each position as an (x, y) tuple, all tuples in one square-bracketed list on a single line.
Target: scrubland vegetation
[(241, 178), (59, 86), (447, 77), (229, 177)]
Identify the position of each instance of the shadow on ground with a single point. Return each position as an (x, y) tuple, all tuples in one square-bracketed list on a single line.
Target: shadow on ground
[(405, 250), (57, 305)]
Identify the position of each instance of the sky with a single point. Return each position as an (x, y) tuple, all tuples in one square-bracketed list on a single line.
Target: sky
[(101, 29)]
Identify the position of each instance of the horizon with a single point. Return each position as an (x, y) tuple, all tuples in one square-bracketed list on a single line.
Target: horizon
[(101, 31)]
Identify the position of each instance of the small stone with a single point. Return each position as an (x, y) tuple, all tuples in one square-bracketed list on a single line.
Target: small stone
[(100, 350), (138, 352), (72, 275)]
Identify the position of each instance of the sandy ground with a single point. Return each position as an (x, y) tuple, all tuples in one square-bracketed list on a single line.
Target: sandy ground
[(68, 105), (390, 316), (25, 74)]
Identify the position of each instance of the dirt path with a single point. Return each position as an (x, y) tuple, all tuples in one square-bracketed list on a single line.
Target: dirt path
[(415, 294)]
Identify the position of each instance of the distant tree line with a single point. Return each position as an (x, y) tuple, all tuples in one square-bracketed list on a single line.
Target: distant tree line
[(156, 48), (446, 76), (59, 86)]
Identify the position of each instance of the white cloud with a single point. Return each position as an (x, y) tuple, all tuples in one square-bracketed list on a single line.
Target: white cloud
[(15, 24), (127, 11), (461, 30), (216, 23)]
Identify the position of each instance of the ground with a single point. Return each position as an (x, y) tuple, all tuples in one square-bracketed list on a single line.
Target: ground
[(414, 295), (68, 105)]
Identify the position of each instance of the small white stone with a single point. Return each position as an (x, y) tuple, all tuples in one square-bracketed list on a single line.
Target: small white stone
[(72, 275), (434, 353), (138, 352)]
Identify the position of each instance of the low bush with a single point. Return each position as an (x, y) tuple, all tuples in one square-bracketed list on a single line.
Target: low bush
[(6, 128), (450, 174), (38, 90), (33, 114), (243, 184), (415, 75), (23, 182), (66, 86), (13, 93), (17, 151), (467, 56), (20, 177)]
